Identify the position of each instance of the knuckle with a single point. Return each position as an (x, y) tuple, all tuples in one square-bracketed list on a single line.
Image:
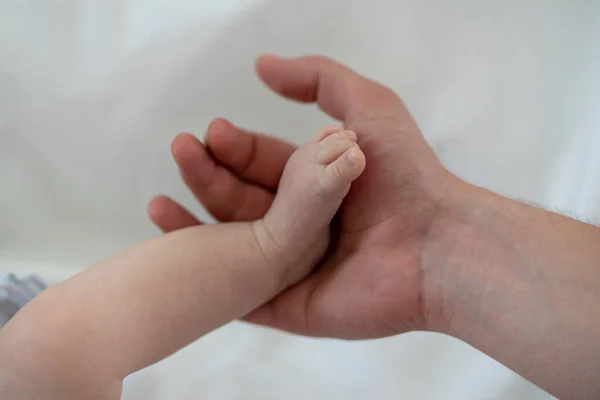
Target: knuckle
[(250, 159)]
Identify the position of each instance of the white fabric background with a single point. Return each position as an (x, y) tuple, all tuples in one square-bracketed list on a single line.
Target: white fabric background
[(92, 92)]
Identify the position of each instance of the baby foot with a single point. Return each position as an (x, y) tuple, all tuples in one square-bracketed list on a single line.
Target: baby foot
[(314, 183)]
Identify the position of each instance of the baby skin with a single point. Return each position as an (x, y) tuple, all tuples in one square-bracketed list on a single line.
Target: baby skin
[(80, 339)]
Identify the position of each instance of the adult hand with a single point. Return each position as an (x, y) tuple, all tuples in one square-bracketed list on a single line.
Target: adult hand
[(373, 283), (418, 248)]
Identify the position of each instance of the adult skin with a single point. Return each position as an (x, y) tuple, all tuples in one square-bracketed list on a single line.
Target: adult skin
[(417, 247)]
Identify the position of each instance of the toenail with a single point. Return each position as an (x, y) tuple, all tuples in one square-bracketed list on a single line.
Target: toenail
[(351, 157), (349, 134)]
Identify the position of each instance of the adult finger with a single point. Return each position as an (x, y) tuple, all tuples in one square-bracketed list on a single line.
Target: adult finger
[(290, 311), (170, 216), (339, 91), (253, 157), (223, 194)]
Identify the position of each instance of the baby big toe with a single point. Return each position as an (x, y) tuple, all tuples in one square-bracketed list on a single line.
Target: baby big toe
[(337, 176)]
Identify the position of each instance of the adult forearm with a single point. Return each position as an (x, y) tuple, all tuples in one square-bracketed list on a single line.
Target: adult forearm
[(522, 285)]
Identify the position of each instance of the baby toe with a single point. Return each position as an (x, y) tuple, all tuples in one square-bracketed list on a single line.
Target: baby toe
[(325, 132), (339, 174), (333, 146)]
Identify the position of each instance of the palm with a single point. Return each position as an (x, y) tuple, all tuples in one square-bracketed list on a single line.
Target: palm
[(368, 286)]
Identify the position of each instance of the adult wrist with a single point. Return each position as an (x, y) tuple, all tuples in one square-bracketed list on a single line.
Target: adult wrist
[(518, 283), (452, 259)]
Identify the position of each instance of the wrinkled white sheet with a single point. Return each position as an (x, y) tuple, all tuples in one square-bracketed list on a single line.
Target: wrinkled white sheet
[(92, 92)]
